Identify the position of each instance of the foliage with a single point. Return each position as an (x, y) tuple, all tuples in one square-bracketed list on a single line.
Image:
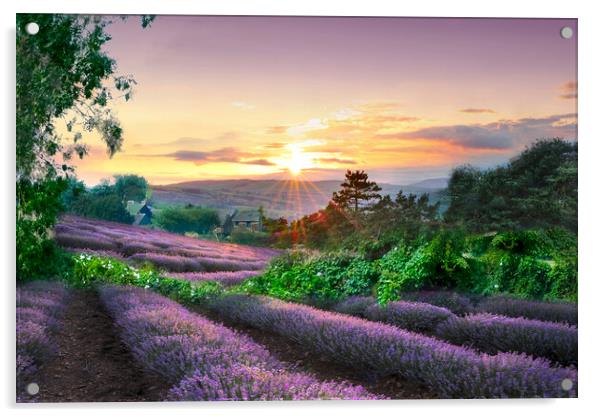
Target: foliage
[(440, 263), (563, 280), (38, 204), (62, 72), (105, 207), (249, 237), (131, 187), (301, 276), (538, 189), (187, 219), (91, 270), (356, 192)]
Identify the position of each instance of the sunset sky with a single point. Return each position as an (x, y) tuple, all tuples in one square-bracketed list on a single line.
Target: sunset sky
[(269, 97)]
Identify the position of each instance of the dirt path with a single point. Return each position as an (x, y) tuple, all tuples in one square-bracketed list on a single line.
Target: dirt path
[(92, 363), (303, 359)]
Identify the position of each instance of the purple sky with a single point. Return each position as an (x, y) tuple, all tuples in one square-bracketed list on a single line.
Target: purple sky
[(404, 98)]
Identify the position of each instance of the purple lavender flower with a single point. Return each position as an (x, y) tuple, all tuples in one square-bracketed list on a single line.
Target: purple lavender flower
[(226, 278), (39, 305), (537, 310), (204, 360), (492, 334), (451, 371)]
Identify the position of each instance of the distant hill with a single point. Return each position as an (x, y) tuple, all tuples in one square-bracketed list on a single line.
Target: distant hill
[(290, 199)]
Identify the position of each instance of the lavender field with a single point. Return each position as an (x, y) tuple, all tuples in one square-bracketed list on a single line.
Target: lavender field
[(167, 251), (434, 344)]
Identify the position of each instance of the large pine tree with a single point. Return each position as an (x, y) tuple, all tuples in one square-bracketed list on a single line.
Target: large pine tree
[(356, 192)]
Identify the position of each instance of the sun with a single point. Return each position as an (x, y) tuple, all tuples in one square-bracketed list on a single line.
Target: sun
[(297, 160)]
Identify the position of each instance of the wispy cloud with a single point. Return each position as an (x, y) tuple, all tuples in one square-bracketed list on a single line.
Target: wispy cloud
[(341, 161), (502, 134), (310, 125), (242, 105), (231, 155), (275, 145), (276, 130), (476, 110), (568, 90)]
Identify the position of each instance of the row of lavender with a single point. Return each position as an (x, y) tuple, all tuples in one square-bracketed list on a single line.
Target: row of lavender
[(39, 306), (460, 304), (206, 361), (226, 278), (484, 331), (450, 371), (172, 252)]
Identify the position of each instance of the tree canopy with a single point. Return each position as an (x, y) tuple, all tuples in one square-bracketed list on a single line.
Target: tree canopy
[(536, 189), (63, 75), (356, 191)]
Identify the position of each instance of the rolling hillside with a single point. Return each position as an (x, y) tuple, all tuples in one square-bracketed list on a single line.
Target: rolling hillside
[(278, 197)]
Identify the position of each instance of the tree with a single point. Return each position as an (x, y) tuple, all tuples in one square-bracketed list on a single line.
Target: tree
[(131, 187), (537, 189), (195, 219), (102, 206), (356, 191), (62, 73)]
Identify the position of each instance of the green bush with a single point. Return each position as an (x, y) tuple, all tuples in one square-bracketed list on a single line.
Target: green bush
[(248, 237), (90, 270), (563, 280), (439, 263), (187, 219), (301, 276), (524, 242)]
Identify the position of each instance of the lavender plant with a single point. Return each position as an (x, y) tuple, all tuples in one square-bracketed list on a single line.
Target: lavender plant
[(204, 360), (537, 310), (490, 333), (414, 316), (451, 371), (226, 278), (39, 306)]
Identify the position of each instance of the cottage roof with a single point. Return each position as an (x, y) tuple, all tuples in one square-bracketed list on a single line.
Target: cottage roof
[(246, 216)]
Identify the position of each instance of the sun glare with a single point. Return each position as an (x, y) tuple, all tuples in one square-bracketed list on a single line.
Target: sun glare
[(297, 160)]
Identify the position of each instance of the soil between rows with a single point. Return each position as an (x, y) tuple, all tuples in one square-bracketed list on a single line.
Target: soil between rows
[(92, 364)]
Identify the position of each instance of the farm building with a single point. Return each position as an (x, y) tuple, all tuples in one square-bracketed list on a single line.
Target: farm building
[(143, 215), (243, 219)]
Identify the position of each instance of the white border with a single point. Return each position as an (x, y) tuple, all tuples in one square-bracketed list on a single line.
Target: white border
[(589, 205)]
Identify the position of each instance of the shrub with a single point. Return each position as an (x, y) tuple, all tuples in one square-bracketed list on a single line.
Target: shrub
[(414, 316), (322, 278), (187, 219), (439, 263), (524, 242), (563, 280), (248, 237), (537, 310), (492, 334)]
